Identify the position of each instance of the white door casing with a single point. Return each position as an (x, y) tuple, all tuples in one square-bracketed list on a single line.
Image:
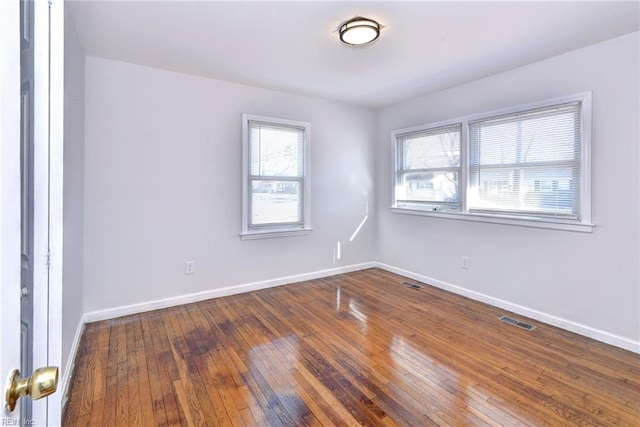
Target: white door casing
[(48, 195), (56, 185)]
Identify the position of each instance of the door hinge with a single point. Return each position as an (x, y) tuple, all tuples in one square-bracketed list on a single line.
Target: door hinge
[(48, 260)]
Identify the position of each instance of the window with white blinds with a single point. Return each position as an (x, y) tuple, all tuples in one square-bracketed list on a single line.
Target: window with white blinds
[(527, 163), (428, 169), (275, 182)]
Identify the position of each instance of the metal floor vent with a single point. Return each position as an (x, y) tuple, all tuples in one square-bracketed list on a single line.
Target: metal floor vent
[(411, 285), (517, 323)]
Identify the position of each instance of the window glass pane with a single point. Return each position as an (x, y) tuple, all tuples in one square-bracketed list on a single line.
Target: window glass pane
[(498, 144), (552, 138), (436, 186), (275, 202), (428, 151), (545, 190), (537, 139), (275, 150), (551, 190), (528, 162)]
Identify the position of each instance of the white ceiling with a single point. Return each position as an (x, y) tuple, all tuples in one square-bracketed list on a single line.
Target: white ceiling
[(292, 46)]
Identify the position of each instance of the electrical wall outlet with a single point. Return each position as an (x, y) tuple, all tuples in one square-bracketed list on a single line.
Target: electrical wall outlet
[(188, 267), (465, 262)]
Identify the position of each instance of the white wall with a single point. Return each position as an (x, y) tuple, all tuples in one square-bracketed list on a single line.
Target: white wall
[(592, 279), (73, 191), (162, 185)]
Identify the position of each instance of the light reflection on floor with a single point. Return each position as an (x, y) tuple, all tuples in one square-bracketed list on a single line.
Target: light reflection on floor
[(397, 354)]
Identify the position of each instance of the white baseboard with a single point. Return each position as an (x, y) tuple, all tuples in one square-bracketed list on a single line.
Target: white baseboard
[(111, 313), (71, 361), (587, 331)]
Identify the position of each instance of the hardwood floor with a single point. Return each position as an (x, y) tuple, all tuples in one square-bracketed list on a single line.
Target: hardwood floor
[(346, 350)]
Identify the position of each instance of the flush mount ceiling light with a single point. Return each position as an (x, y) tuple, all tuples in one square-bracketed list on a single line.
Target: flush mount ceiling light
[(359, 31)]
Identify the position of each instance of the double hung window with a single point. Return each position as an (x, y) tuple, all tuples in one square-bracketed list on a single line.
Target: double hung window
[(428, 170), (276, 177)]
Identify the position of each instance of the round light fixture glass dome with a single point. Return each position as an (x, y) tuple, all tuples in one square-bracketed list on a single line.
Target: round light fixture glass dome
[(358, 31)]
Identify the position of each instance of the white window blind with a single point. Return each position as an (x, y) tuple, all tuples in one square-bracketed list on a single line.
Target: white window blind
[(428, 170), (276, 175), (527, 163)]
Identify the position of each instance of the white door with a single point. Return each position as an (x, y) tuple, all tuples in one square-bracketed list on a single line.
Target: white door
[(30, 202)]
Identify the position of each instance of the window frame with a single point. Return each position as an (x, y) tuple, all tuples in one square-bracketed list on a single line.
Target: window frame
[(277, 229), (582, 224)]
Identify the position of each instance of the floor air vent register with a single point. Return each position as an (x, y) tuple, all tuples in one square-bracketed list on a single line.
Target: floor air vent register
[(506, 319), (516, 322), (411, 285)]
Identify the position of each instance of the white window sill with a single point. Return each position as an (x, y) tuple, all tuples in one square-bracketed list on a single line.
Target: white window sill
[(554, 224), (270, 234)]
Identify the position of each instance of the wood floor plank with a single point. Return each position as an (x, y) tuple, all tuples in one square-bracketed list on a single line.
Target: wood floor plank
[(145, 398), (111, 380), (122, 407), (97, 410), (189, 389), (155, 382), (133, 374), (347, 350)]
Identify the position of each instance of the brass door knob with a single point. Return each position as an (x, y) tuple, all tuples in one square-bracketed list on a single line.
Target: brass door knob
[(42, 383)]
